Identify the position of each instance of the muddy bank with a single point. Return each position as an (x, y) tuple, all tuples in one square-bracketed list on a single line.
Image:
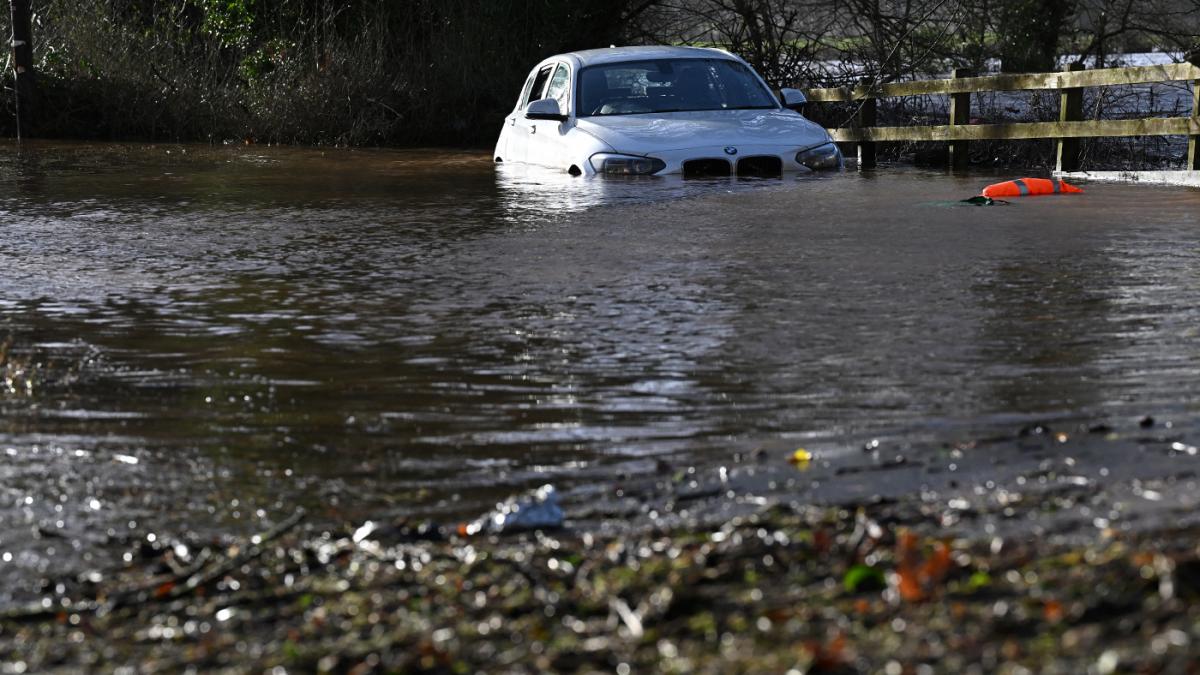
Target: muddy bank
[(689, 570)]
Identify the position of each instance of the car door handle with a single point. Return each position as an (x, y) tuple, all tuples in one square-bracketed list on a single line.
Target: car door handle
[(512, 121), (533, 128)]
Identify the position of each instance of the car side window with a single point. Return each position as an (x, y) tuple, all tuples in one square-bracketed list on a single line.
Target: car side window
[(525, 91), (539, 83), (558, 86)]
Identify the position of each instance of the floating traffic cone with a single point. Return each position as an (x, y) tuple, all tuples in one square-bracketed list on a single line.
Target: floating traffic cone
[(1024, 187)]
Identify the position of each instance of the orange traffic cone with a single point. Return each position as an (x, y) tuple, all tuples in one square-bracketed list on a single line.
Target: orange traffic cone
[(1024, 187)]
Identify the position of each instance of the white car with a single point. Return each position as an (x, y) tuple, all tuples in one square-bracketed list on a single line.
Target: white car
[(660, 110)]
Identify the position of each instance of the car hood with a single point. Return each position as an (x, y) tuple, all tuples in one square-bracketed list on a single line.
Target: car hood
[(651, 132)]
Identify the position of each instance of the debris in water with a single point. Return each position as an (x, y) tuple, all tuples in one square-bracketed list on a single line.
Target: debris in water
[(1026, 187), (364, 531), (800, 457), (918, 575), (983, 201), (862, 577), (1183, 448), (1034, 430), (406, 530), (538, 509)]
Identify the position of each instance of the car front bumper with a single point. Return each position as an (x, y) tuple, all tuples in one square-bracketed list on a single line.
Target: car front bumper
[(716, 160)]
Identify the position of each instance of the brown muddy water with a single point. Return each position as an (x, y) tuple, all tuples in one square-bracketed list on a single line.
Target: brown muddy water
[(202, 339)]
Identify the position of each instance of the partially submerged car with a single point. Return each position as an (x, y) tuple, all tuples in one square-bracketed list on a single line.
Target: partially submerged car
[(660, 110)]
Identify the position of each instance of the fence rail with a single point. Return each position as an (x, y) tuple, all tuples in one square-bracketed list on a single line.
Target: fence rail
[(1070, 126)]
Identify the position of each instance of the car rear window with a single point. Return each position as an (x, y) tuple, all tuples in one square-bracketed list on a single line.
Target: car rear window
[(539, 84)]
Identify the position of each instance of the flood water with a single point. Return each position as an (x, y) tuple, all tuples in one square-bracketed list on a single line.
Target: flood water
[(206, 338)]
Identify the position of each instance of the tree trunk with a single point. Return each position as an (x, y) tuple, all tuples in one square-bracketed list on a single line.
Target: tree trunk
[(22, 50), (1029, 34)]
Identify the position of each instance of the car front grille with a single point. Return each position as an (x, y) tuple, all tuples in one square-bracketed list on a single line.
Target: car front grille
[(715, 167), (764, 167), (706, 168)]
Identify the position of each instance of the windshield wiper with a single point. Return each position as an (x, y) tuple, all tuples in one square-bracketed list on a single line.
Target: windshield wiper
[(742, 107)]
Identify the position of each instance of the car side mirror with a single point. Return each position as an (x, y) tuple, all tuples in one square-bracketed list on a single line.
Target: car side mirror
[(793, 99), (545, 109)]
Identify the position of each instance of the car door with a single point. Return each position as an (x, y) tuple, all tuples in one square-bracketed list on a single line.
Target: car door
[(546, 145), (518, 132)]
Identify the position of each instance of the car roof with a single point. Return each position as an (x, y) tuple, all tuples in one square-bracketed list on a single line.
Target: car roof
[(592, 57)]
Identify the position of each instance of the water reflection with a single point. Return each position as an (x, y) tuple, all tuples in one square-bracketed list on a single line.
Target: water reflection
[(1078, 330), (1047, 329), (527, 192)]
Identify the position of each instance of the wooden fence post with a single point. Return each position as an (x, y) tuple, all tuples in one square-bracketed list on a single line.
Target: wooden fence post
[(960, 113), (1193, 158), (22, 52), (866, 119), (1070, 110), (1067, 132)]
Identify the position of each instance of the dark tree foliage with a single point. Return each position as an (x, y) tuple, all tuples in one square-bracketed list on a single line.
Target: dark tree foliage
[(410, 72), (1030, 31), (309, 71)]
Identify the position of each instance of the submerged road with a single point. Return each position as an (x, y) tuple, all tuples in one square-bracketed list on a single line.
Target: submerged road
[(201, 339)]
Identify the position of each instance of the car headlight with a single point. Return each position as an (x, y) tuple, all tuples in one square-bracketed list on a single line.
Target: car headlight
[(609, 164), (824, 156)]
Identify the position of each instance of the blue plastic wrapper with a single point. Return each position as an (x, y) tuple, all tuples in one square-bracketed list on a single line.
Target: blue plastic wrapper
[(535, 510)]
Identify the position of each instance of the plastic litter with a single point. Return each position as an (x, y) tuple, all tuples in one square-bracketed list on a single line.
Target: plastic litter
[(800, 456), (365, 530), (535, 510), (984, 201)]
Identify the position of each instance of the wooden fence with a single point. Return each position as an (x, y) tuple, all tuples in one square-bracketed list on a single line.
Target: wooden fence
[(1070, 127)]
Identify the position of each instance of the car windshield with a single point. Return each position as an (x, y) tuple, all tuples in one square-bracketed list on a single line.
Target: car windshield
[(669, 85)]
